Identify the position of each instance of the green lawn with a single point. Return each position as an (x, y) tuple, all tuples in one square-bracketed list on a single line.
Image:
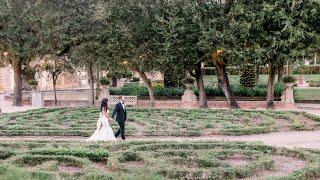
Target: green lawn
[(310, 94), (235, 79), (146, 122), (154, 160)]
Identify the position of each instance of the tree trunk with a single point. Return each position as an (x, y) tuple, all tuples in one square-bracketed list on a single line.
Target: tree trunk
[(98, 90), (149, 87), (114, 82), (54, 82), (91, 83), (257, 74), (200, 85), (280, 72), (17, 67), (270, 88), (225, 85)]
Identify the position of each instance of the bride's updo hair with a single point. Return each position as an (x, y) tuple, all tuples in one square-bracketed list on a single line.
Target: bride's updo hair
[(104, 104)]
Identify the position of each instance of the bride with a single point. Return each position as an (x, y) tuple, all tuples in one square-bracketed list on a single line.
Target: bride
[(103, 131)]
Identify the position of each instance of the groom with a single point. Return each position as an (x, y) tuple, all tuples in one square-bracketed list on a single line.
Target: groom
[(121, 112)]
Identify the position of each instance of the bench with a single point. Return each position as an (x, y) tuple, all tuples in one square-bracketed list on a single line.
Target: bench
[(128, 100)]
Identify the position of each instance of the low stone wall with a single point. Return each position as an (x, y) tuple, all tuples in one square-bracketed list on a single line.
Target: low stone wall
[(24, 101), (67, 103), (174, 104), (214, 104)]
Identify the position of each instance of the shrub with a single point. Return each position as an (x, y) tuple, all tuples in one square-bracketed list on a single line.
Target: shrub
[(33, 82), (289, 79), (135, 79), (127, 74), (129, 156), (132, 89), (114, 74), (188, 80), (94, 155), (248, 77), (278, 88), (171, 92), (104, 81), (4, 154)]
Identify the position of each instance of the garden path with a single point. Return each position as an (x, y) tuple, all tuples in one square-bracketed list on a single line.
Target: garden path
[(6, 106), (309, 108), (293, 139)]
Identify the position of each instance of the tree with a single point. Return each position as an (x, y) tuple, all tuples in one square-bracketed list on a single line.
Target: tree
[(76, 28), (218, 42), (248, 77), (134, 39), (291, 34), (55, 66), (87, 55), (19, 39), (274, 31), (179, 25)]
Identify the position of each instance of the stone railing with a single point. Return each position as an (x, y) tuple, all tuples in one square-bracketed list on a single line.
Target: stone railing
[(128, 100)]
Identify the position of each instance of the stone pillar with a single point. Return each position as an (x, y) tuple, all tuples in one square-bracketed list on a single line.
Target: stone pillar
[(189, 99), (287, 95), (37, 99), (104, 93)]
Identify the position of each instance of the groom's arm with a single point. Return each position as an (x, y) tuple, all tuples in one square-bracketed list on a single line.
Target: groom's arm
[(114, 111)]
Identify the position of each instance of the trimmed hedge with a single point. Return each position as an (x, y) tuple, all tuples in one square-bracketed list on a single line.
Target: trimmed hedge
[(167, 92), (93, 155)]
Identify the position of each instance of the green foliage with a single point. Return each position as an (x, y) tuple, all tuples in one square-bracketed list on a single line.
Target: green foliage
[(119, 74), (4, 154), (13, 172), (188, 80), (289, 79), (20, 38), (161, 160), (168, 92), (33, 82), (132, 89), (104, 81), (54, 65), (127, 74), (135, 79), (115, 74), (129, 156), (158, 122), (248, 76), (94, 155), (306, 95)]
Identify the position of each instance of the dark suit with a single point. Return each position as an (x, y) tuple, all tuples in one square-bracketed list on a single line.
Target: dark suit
[(121, 119)]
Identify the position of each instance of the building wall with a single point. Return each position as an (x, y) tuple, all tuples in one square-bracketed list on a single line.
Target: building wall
[(6, 80), (65, 81)]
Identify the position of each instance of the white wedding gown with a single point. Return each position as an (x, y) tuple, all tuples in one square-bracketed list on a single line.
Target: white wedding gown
[(103, 131)]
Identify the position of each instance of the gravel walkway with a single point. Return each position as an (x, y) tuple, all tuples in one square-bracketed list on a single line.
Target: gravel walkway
[(310, 108), (6, 106)]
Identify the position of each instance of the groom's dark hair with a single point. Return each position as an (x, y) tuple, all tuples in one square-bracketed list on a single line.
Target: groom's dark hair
[(104, 104)]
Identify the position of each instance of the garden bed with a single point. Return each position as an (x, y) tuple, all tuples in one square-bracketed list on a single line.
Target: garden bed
[(155, 160), (157, 122)]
